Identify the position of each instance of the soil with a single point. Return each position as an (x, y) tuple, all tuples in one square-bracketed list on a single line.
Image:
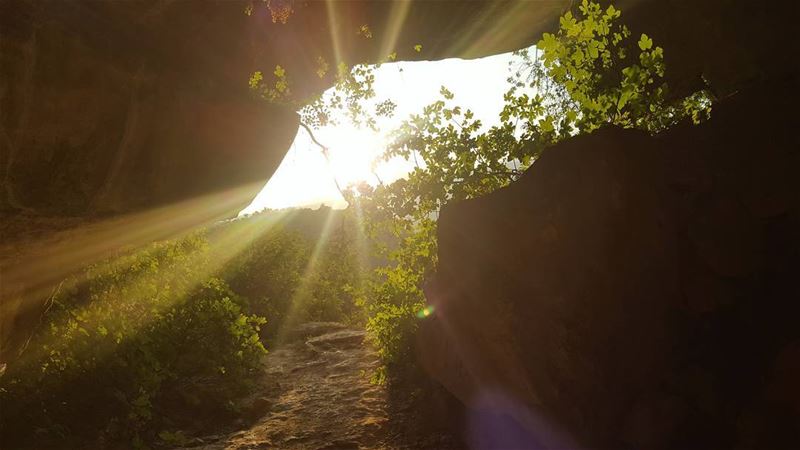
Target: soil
[(317, 393)]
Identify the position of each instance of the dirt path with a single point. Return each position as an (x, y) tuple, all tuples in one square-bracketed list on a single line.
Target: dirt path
[(317, 395)]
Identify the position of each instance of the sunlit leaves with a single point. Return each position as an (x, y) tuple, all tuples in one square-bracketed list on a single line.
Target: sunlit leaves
[(445, 93), (385, 108), (281, 84), (354, 87), (129, 328), (586, 79), (280, 10), (365, 31), (255, 79), (322, 67), (277, 91), (645, 43)]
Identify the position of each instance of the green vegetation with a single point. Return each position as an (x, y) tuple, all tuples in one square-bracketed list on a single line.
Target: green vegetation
[(170, 335), (299, 276), (122, 338)]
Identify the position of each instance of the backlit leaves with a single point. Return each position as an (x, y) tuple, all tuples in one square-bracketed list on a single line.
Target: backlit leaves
[(280, 10), (365, 32), (645, 43)]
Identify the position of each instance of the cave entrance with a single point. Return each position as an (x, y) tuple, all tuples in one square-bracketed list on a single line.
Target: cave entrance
[(305, 178)]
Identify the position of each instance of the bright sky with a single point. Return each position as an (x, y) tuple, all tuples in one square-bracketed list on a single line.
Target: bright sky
[(305, 179)]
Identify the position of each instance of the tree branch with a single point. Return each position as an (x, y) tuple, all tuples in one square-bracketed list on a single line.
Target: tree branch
[(326, 154)]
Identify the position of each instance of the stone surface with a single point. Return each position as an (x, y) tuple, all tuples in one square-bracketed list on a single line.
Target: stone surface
[(553, 279), (625, 291), (325, 400), (338, 340), (111, 108)]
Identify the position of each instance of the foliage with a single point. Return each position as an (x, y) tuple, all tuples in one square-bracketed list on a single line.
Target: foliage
[(334, 279), (280, 10), (292, 278), (268, 273), (118, 341), (276, 91), (394, 293), (588, 75)]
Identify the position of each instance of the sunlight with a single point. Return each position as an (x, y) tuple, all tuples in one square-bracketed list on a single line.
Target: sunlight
[(353, 151), (305, 179), (47, 261), (295, 303)]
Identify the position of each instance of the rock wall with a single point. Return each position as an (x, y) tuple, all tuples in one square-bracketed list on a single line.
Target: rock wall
[(632, 291), (101, 113)]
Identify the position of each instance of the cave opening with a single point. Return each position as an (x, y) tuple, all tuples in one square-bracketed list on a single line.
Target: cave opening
[(306, 178)]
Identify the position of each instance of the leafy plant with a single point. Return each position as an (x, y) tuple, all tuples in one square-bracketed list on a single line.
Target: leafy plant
[(127, 337), (268, 274)]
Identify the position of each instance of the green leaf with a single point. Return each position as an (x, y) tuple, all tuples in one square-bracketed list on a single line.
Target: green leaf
[(578, 56), (645, 42), (593, 53)]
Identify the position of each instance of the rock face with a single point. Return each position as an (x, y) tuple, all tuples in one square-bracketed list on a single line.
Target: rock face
[(99, 116), (632, 291)]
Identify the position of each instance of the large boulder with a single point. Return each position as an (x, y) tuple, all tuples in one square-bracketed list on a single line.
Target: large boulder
[(549, 290), (630, 291)]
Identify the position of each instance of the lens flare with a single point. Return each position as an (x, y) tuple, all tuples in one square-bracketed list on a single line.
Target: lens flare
[(425, 312)]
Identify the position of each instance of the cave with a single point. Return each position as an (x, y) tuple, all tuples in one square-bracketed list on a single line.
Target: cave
[(626, 290)]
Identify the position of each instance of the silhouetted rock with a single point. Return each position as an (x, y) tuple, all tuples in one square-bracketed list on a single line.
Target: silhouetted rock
[(631, 290)]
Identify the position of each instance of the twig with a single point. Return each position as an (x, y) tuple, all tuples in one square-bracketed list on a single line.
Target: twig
[(326, 154), (47, 305)]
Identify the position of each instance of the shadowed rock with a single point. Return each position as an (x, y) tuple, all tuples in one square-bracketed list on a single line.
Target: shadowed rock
[(623, 293)]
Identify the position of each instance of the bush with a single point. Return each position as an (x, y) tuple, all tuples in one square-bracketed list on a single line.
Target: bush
[(292, 279), (122, 337), (333, 282), (268, 273)]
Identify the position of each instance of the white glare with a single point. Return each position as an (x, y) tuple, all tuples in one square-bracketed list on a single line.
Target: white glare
[(304, 178)]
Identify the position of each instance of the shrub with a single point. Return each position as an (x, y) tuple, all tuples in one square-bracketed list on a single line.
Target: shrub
[(332, 284), (293, 278), (122, 337), (268, 273)]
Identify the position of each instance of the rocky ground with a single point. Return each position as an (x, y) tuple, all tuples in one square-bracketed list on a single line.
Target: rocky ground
[(316, 394)]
